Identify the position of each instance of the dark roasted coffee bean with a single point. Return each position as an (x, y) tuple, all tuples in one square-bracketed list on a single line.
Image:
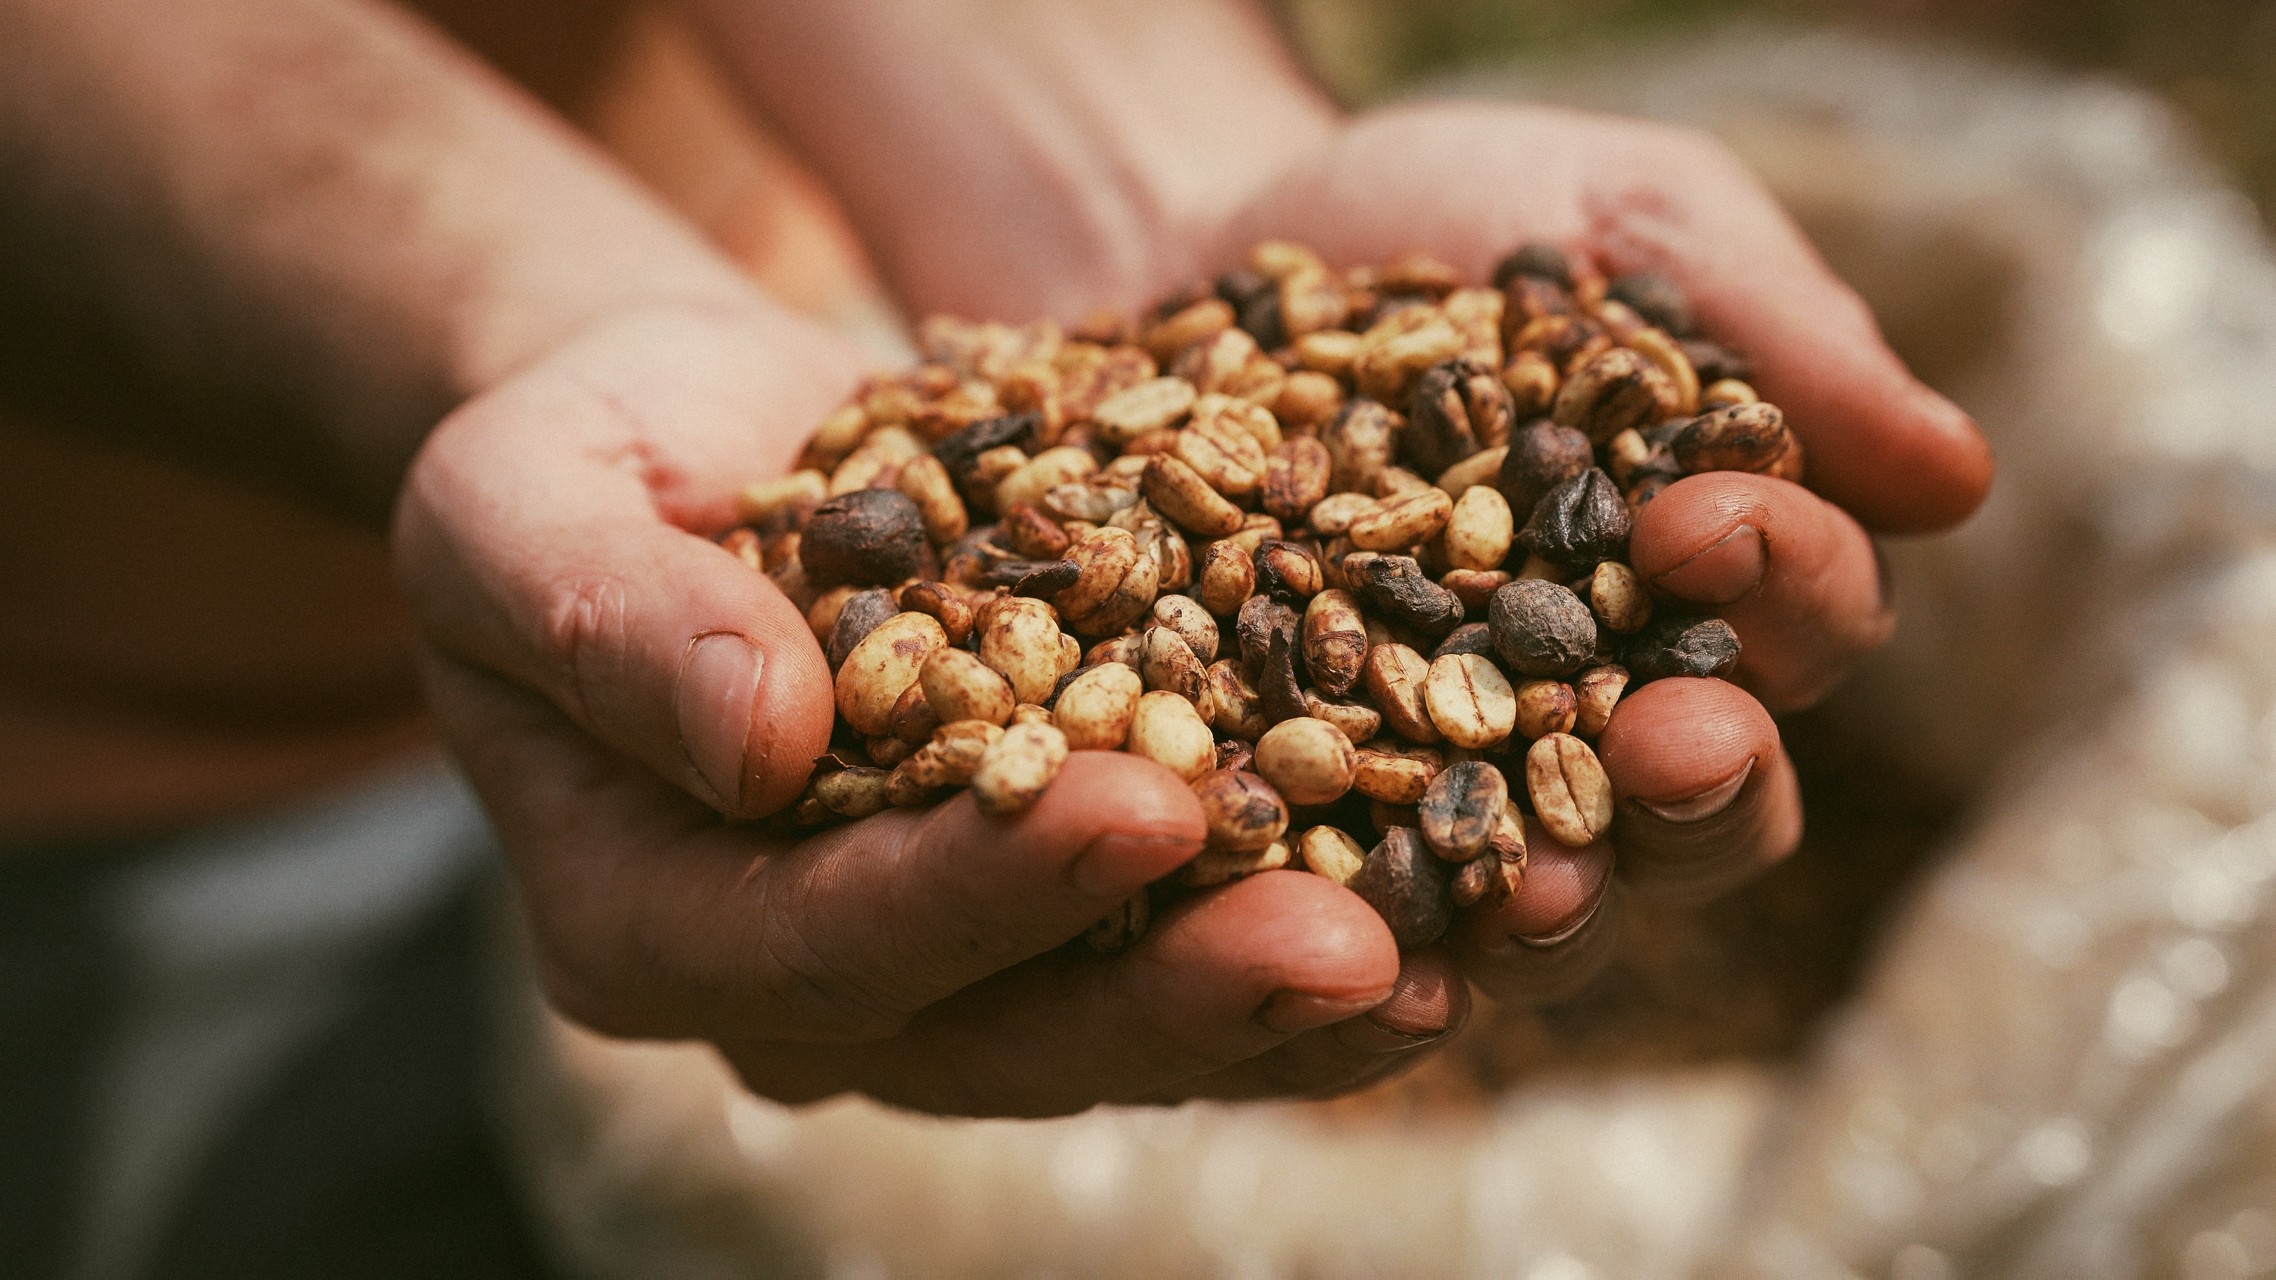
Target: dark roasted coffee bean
[(1541, 628), (1461, 809), (870, 537), (1580, 523), (1457, 407), (1542, 455), (1540, 261), (1715, 362), (1657, 299), (1046, 580), (860, 615), (960, 451), (1681, 645), (1397, 586), (1470, 637), (1280, 694), (1255, 299), (1407, 887), (1260, 619)]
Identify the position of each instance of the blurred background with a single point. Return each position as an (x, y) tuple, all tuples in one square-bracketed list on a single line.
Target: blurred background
[(2213, 59)]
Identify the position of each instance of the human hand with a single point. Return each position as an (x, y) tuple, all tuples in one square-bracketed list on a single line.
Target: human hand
[(1707, 797), (614, 682)]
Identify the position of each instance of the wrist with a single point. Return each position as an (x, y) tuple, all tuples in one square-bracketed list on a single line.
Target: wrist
[(1043, 157)]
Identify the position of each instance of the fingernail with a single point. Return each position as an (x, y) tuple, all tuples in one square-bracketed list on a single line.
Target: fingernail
[(1416, 1012), (1288, 1012), (717, 695), (1580, 922), (1724, 573), (1706, 804), (1119, 863), (1366, 1035)]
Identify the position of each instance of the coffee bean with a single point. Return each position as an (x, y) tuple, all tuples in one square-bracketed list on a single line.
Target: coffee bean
[(1394, 772), (858, 615), (1541, 628), (1213, 867), (1470, 700), (1545, 707), (1168, 731), (1479, 529), (1359, 442), (1179, 493), (1242, 811), (1675, 644), (1227, 578), (1330, 852), (1014, 772), (1570, 793), (1407, 887), (1296, 477), (1618, 599), (1614, 392), (871, 537), (1457, 408), (1335, 641), (1357, 720), (1470, 637), (1580, 523), (1496, 874), (879, 669), (1538, 261), (1186, 616), (1287, 572), (1408, 520), (1397, 587), (1394, 676), (1235, 706), (1309, 761), (1596, 692), (1542, 455), (1743, 437), (1657, 299), (1150, 406), (1461, 809)]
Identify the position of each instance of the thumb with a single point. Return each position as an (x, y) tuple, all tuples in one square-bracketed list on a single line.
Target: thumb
[(533, 542)]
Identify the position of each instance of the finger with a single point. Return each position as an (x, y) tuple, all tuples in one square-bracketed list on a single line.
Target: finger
[(1633, 196), (661, 921), (1707, 797), (537, 539), (1794, 575), (1218, 981), (1875, 439), (1549, 939), (1428, 1006)]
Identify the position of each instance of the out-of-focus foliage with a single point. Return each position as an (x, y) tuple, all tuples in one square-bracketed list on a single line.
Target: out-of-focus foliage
[(2215, 59)]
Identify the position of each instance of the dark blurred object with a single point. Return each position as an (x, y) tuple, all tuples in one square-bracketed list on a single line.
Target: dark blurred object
[(2215, 59)]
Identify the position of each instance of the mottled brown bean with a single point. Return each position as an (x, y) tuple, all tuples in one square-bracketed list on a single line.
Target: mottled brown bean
[(1310, 761)]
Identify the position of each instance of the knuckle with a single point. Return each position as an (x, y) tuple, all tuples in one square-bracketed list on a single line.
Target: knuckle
[(582, 634)]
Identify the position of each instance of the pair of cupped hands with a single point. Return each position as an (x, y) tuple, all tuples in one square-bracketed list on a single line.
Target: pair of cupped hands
[(617, 686)]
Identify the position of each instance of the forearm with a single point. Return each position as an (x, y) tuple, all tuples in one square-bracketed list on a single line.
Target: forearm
[(1003, 157), (285, 236)]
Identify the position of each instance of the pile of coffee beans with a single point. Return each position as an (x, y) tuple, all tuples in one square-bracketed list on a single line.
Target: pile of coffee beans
[(1344, 548)]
